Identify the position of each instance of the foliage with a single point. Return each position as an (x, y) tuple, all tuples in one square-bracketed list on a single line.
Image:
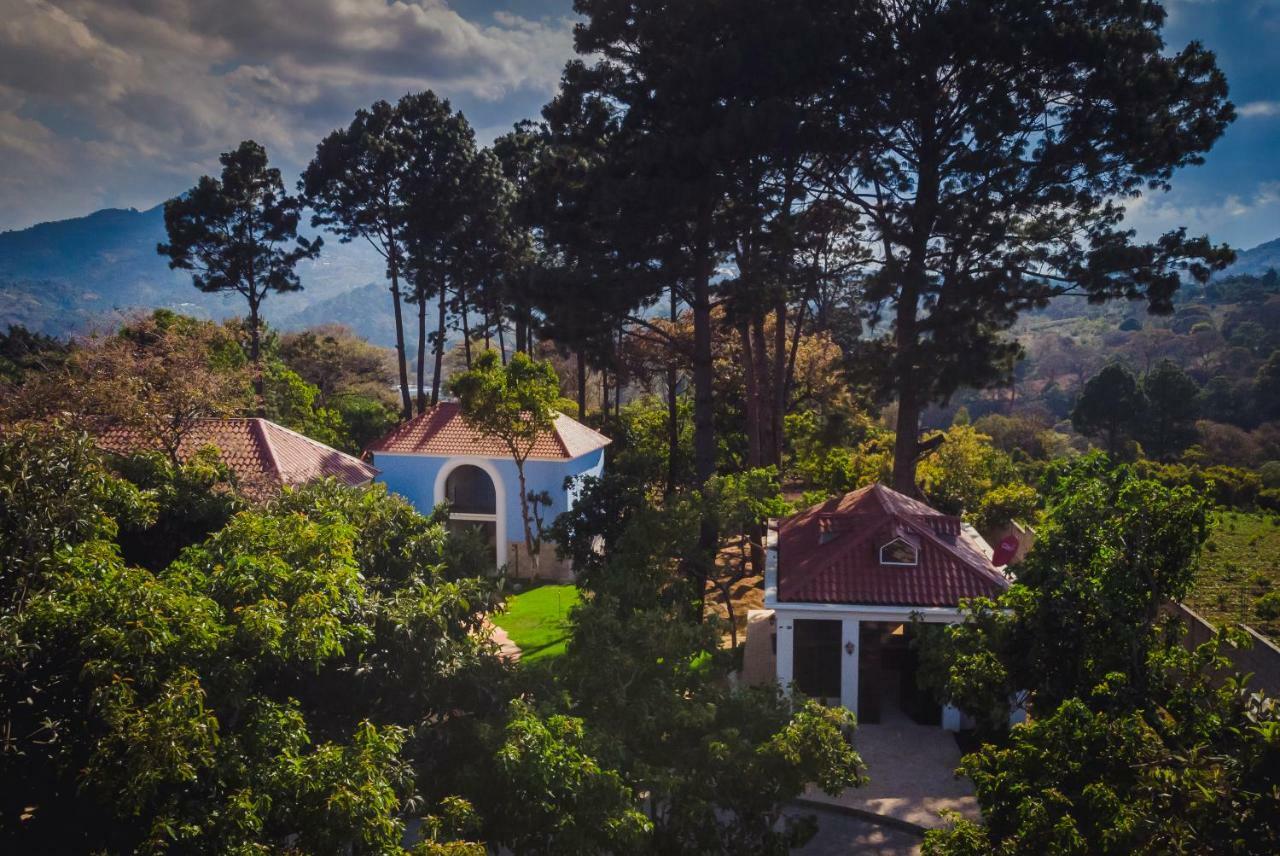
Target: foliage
[(837, 455), (156, 377), (1192, 769), (1172, 406), (280, 684), (234, 233), (968, 476), (512, 404), (1112, 407), (552, 796), (1112, 549)]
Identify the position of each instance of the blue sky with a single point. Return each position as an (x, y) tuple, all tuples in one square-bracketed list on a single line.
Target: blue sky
[(116, 103)]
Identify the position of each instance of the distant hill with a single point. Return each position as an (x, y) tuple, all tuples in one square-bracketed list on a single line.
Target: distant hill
[(69, 275), (366, 310), (1256, 261)]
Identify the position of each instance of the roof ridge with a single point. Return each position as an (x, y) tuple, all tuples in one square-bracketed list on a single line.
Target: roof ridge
[(264, 441), (965, 562)]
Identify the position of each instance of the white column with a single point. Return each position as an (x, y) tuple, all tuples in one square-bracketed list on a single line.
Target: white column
[(849, 663), (785, 628)]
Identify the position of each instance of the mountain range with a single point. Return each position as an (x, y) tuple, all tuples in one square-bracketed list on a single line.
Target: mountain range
[(71, 276)]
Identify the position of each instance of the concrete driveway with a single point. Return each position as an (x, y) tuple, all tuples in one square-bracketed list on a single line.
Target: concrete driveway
[(912, 773)]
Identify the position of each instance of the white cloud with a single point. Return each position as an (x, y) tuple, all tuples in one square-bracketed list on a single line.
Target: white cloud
[(120, 100), (1256, 109), (1248, 220)]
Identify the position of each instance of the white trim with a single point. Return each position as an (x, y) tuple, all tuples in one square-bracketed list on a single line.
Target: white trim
[(867, 611), (915, 551), (499, 491)]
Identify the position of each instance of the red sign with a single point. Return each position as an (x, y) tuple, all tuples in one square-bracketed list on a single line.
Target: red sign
[(1005, 550)]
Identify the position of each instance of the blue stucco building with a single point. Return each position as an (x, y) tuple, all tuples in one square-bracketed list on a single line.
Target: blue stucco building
[(437, 456)]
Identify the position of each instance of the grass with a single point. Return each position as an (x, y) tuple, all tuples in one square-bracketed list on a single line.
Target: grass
[(1240, 564), (537, 620)]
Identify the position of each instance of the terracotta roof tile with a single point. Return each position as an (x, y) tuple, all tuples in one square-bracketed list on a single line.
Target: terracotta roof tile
[(830, 554), (263, 455), (443, 432)]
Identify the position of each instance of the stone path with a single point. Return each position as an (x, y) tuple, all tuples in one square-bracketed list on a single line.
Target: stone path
[(507, 649)]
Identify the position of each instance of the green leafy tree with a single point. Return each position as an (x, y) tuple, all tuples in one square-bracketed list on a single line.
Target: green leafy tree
[(441, 148), (356, 184), (1111, 407), (1173, 405), (513, 404), (986, 148), (550, 795), (279, 685), (1113, 548), (239, 233), (1192, 770), (741, 503)]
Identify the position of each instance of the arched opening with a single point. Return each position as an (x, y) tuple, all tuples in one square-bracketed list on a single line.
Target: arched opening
[(475, 506), (469, 490)]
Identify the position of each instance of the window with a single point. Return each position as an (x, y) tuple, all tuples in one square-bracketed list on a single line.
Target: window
[(899, 551)]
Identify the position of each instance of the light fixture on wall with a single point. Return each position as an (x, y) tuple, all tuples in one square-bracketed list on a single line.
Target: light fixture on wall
[(849, 647)]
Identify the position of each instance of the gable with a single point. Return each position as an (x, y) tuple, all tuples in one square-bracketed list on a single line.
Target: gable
[(833, 553)]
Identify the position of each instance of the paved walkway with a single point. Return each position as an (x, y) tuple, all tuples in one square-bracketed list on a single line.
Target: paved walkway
[(507, 649), (912, 773), (844, 835)]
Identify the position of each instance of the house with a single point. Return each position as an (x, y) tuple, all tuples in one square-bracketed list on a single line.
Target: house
[(845, 578), (263, 456), (438, 456)]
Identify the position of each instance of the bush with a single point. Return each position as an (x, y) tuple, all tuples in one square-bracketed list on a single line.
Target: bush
[(1267, 607)]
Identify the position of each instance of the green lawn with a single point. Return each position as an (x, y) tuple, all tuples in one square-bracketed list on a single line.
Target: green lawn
[(1240, 563), (537, 620)]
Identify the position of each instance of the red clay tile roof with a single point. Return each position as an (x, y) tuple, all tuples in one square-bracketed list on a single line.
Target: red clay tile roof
[(442, 432), (830, 554), (263, 455)]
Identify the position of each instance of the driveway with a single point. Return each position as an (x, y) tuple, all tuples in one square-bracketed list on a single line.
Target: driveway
[(844, 835), (912, 773)]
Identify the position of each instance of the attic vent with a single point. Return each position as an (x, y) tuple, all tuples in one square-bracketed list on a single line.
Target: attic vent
[(899, 551)]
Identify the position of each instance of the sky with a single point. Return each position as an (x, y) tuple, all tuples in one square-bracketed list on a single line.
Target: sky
[(124, 103)]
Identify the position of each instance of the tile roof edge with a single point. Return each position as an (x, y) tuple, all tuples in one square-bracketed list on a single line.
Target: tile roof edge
[(313, 441), (260, 434)]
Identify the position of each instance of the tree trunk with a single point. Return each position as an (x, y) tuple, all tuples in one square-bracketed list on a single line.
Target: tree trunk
[(604, 394), (255, 356), (752, 402), (673, 410), (406, 405), (435, 381), (422, 351), (502, 338), (764, 394), (525, 516), (582, 387), (521, 330), (704, 429), (779, 384), (906, 443), (617, 381), (466, 326)]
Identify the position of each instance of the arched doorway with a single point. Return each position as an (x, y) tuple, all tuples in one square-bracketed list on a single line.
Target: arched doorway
[(475, 497)]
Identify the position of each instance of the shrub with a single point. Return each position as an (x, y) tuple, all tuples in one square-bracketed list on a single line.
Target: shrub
[(1267, 607)]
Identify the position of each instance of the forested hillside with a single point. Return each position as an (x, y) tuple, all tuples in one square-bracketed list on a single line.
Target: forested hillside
[(70, 275)]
